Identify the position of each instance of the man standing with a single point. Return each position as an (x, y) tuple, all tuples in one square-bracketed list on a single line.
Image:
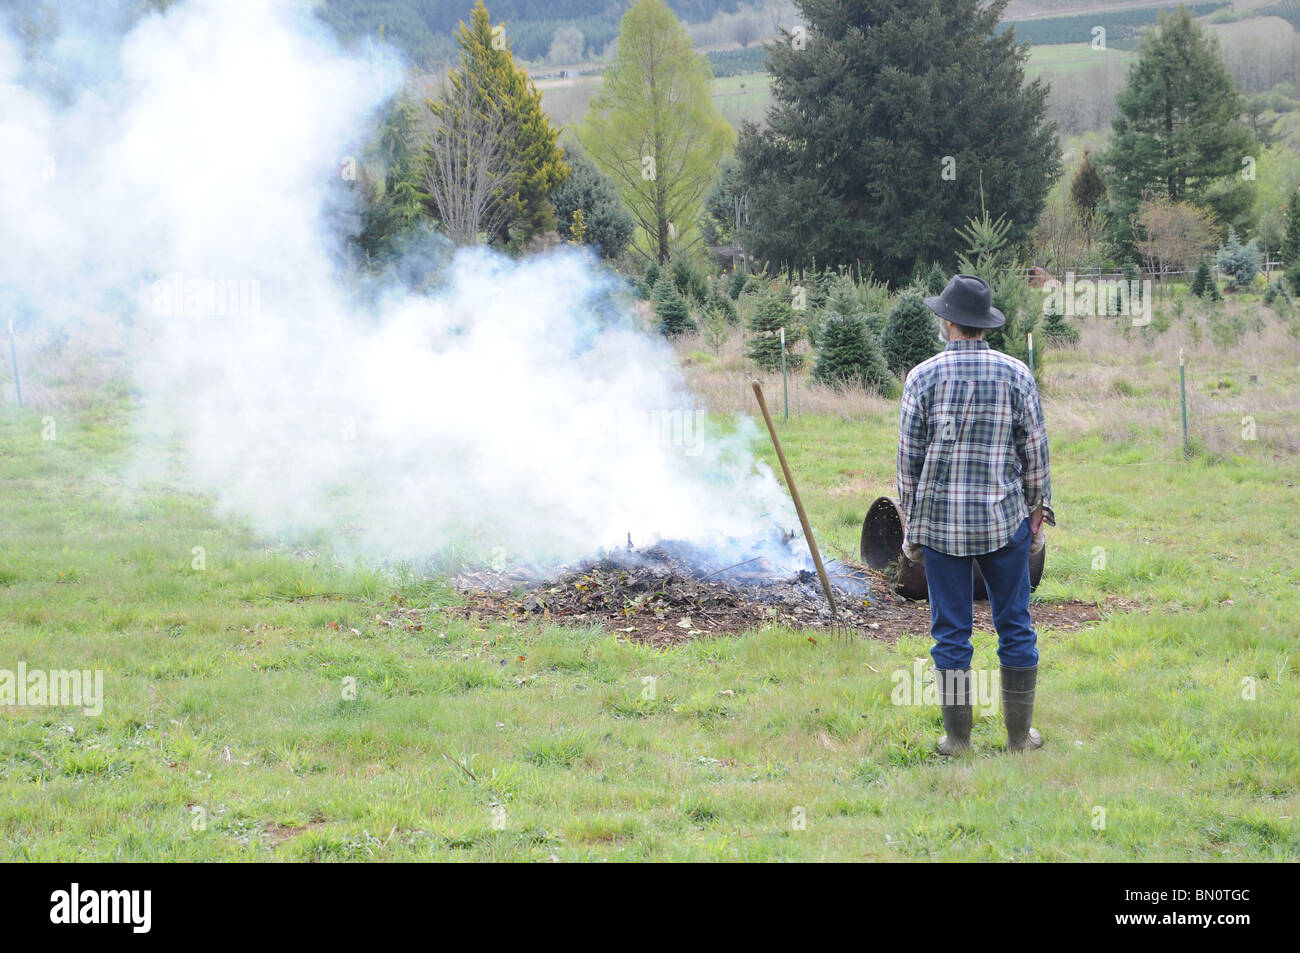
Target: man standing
[(974, 487)]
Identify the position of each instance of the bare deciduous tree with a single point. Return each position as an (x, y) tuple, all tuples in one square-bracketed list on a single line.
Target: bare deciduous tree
[(1172, 235), (745, 29), (468, 172), (1067, 238)]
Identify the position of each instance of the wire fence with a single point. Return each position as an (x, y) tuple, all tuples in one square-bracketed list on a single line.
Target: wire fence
[(1096, 274)]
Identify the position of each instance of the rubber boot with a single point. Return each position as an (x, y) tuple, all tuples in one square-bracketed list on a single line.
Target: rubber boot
[(1018, 686), (955, 702)]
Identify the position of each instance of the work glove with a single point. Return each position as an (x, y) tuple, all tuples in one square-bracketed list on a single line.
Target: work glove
[(1040, 540), (912, 551)]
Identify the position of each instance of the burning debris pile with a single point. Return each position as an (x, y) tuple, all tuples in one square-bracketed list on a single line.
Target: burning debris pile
[(676, 590)]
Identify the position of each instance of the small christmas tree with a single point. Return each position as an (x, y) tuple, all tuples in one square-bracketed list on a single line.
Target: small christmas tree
[(689, 281), (772, 312), (910, 334), (1058, 330), (736, 284), (1292, 275), (671, 309), (846, 354), (1203, 284), (1201, 280), (847, 349), (1239, 262), (718, 301), (936, 280)]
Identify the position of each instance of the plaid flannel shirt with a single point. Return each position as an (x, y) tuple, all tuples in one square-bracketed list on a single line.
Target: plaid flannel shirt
[(972, 450)]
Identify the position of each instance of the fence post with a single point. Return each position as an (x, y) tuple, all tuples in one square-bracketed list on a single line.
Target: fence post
[(1182, 387), (13, 352), (785, 382)]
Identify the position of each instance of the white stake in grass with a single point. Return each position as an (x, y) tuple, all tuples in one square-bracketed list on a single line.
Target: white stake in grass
[(13, 352)]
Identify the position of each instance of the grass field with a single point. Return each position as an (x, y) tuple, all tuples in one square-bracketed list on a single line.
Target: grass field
[(746, 97), (738, 98), (1073, 58), (743, 98), (231, 729)]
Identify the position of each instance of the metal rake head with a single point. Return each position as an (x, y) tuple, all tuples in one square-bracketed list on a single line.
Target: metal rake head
[(839, 629)]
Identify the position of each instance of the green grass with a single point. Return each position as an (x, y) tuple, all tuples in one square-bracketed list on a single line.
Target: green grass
[(228, 731), (1072, 58), (743, 97)]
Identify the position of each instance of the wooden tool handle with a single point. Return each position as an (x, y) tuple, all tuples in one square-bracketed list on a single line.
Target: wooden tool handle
[(798, 503)]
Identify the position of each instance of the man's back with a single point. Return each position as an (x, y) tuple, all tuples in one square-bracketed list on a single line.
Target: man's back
[(973, 454)]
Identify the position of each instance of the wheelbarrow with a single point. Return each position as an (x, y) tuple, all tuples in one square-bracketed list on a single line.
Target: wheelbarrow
[(882, 544)]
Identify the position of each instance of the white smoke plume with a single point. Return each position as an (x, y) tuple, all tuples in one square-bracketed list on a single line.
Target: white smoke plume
[(178, 178)]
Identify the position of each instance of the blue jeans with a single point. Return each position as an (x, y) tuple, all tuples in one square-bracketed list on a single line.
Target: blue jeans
[(951, 581)]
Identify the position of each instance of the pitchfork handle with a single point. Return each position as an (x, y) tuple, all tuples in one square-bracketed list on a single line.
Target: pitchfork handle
[(798, 503)]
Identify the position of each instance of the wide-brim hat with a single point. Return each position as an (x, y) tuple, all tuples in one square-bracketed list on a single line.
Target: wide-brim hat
[(968, 301)]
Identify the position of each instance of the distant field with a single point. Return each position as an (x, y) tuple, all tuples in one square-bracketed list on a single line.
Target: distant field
[(738, 98), (1072, 57), (743, 97)]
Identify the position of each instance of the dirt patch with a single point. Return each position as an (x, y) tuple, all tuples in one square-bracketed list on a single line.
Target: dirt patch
[(277, 834)]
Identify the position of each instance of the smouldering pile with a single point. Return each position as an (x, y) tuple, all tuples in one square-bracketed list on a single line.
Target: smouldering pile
[(671, 592)]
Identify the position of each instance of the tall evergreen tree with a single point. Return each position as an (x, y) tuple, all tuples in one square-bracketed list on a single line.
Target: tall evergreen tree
[(654, 130), (884, 121), (1087, 190), (1179, 131), (487, 67), (389, 182), (1291, 242)]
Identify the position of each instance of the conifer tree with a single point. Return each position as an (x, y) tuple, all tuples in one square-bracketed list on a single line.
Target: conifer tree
[(1291, 242), (772, 311), (1087, 190), (1202, 280), (885, 118), (487, 68), (1179, 131), (607, 224), (847, 352), (671, 308), (1058, 330), (911, 334)]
